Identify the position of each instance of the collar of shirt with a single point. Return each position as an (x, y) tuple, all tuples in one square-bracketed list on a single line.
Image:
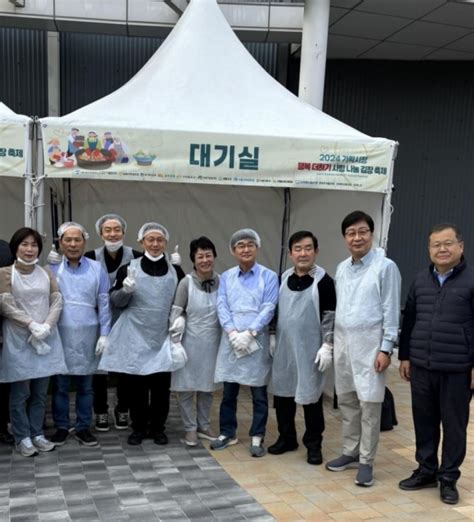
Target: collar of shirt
[(250, 272), (310, 272), (442, 277), (364, 260), (76, 266)]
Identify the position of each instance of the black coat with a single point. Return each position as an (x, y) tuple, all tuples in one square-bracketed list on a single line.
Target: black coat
[(438, 323)]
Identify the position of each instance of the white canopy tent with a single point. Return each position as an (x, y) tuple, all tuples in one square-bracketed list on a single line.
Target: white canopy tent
[(15, 171), (224, 140)]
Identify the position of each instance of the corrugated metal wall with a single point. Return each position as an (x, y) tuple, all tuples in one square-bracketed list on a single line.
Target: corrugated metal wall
[(94, 65), (428, 107), (24, 73)]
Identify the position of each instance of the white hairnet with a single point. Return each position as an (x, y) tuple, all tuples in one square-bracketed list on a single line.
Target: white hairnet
[(242, 234), (107, 217), (153, 227), (72, 224)]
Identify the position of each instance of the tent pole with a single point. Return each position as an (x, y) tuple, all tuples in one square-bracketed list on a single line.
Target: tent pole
[(40, 203), (313, 51), (387, 208), (29, 176)]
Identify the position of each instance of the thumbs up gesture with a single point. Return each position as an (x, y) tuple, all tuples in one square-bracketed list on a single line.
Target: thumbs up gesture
[(130, 282), (54, 257), (175, 258)]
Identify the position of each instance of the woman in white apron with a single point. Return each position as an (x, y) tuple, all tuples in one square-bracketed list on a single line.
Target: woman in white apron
[(194, 318), (32, 348)]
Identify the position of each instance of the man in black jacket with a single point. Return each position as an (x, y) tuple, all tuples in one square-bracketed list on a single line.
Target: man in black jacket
[(437, 357)]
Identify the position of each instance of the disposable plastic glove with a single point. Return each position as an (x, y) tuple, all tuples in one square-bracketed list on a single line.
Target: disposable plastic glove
[(54, 257), (324, 357), (130, 282), (244, 339), (175, 257), (40, 331), (272, 344), (177, 328), (40, 346), (102, 344), (233, 336)]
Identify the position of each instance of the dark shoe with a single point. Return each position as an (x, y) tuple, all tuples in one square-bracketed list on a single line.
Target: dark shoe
[(121, 420), (102, 422), (448, 491), (60, 437), (315, 457), (136, 438), (418, 480), (343, 462), (282, 446), (365, 476), (86, 438), (160, 438), (6, 438)]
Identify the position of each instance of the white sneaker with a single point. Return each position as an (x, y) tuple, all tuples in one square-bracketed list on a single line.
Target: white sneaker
[(25, 448), (41, 443), (256, 447)]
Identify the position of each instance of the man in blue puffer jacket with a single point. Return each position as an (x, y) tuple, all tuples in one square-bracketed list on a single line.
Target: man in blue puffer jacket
[(437, 357)]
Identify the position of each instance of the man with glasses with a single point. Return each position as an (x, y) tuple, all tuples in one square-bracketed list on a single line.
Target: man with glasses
[(365, 331), (246, 301), (437, 358)]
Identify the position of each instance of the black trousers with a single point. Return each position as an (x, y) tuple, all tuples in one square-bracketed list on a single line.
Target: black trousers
[(440, 398), (99, 386), (4, 406), (313, 417), (149, 401)]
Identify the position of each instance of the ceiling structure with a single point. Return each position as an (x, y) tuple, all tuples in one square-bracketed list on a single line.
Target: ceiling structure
[(359, 29), (402, 29)]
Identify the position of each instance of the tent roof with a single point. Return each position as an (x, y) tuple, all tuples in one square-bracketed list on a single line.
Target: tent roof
[(203, 79), (8, 116)]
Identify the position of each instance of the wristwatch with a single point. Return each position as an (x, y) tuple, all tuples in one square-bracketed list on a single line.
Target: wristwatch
[(253, 333), (388, 354)]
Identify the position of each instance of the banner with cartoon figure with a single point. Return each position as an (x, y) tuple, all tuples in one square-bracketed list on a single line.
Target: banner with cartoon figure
[(210, 158)]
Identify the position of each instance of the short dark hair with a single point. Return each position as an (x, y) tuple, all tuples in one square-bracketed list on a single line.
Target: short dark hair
[(443, 226), (204, 243), (355, 217), (20, 235), (300, 235)]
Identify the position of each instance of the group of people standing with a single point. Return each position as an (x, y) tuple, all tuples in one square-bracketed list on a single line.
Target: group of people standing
[(137, 315)]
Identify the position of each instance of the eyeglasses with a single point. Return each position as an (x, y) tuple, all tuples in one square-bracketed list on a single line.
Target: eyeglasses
[(351, 234), (443, 244)]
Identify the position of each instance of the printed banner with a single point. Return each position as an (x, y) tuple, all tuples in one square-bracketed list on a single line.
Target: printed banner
[(187, 157), (12, 149)]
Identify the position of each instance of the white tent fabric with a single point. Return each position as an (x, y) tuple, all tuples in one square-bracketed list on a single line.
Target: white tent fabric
[(13, 142), (202, 113), (202, 110)]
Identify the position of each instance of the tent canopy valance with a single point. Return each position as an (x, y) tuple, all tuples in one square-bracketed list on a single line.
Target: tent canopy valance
[(202, 110)]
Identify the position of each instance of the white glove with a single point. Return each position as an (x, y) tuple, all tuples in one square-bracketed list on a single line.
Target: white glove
[(102, 345), (324, 357), (244, 339), (130, 282), (177, 328), (272, 344), (40, 331), (175, 258), (54, 257), (233, 336), (40, 346)]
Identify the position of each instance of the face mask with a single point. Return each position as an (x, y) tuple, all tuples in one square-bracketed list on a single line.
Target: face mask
[(27, 263), (113, 246), (152, 258)]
